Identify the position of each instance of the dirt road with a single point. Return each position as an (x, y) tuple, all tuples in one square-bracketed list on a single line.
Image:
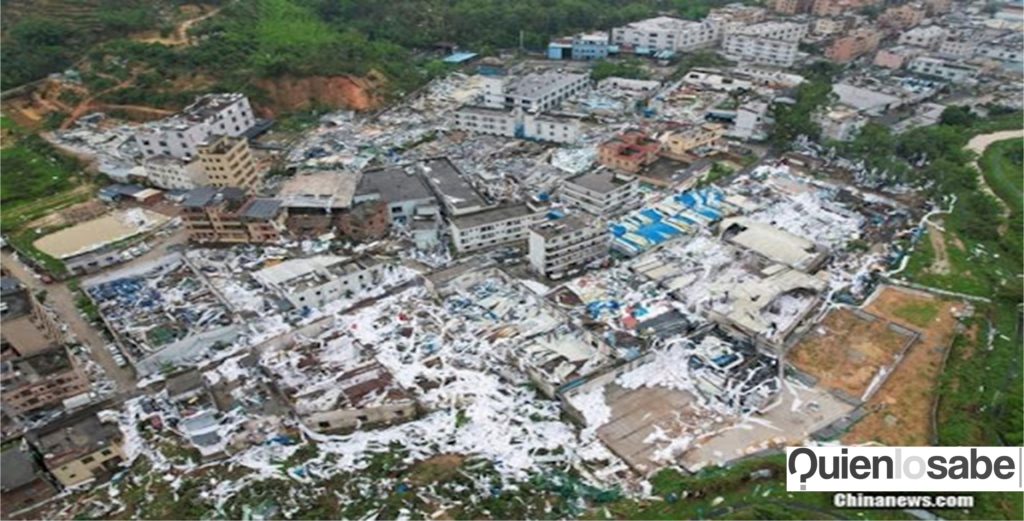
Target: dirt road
[(978, 144), (62, 300)]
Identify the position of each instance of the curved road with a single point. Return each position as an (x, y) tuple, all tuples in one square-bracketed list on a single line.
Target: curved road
[(979, 143)]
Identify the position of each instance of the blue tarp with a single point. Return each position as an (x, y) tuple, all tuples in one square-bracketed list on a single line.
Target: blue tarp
[(460, 57)]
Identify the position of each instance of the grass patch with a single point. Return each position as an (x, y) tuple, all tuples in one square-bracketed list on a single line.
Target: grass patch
[(1003, 167), (920, 314)]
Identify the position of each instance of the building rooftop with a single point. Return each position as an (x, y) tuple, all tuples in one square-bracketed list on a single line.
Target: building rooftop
[(209, 195), (565, 225), (450, 185), (394, 184), (772, 243), (600, 180), (492, 215), (30, 369), (262, 209), (538, 85), (19, 467), (75, 436)]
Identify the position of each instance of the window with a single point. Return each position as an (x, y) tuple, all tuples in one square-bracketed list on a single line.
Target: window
[(88, 459), (324, 425), (363, 418)]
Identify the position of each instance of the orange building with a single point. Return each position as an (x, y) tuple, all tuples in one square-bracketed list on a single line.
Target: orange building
[(629, 152)]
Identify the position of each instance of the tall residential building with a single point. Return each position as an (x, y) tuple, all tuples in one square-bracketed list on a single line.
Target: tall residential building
[(180, 135), (171, 173), (602, 192), (902, 16), (564, 246), (228, 161), (680, 143), (929, 37), (770, 43), (535, 92), (792, 6), (854, 45), (667, 34), (493, 227)]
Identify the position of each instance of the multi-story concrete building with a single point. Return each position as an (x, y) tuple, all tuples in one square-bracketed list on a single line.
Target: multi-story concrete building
[(316, 281), (228, 215), (591, 46), (830, 26), (602, 192), (402, 189), (493, 227), (731, 17), (928, 37), (556, 128), (945, 69), (792, 7), (958, 46), (180, 135), (171, 173), (902, 16), (629, 152), (667, 34), (770, 43), (486, 120), (564, 246), (80, 447), (1006, 53), (752, 121), (536, 92), (40, 381), (228, 161), (896, 57), (543, 127), (680, 143), (854, 45), (26, 327), (840, 7), (321, 202)]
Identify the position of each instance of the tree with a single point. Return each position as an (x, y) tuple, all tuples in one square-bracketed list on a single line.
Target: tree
[(957, 116)]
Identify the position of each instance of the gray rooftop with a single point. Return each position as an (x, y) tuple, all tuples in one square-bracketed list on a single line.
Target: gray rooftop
[(449, 183), (568, 224), (539, 84), (394, 184), (19, 469), (262, 209), (207, 195), (601, 180), (493, 215)]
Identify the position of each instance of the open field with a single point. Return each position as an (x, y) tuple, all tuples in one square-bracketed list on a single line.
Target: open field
[(846, 351), (900, 413)]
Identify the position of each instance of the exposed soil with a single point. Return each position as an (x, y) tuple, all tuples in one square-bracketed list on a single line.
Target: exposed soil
[(289, 93), (940, 266), (901, 412), (845, 352)]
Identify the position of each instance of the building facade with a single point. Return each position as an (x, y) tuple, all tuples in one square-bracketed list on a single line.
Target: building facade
[(180, 135), (854, 45), (228, 161), (665, 33), (629, 151), (565, 246), (602, 192), (171, 173), (493, 227), (80, 447), (227, 215), (41, 381)]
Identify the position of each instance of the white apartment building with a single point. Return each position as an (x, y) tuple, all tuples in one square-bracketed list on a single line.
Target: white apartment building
[(180, 135), (1000, 52), (954, 72), (565, 246), (957, 47), (171, 173), (486, 120), (752, 121), (770, 43), (556, 128), (537, 92), (929, 37), (316, 281), (493, 227), (602, 192), (667, 33)]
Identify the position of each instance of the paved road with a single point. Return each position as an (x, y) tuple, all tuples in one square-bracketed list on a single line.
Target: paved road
[(978, 144), (62, 301)]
